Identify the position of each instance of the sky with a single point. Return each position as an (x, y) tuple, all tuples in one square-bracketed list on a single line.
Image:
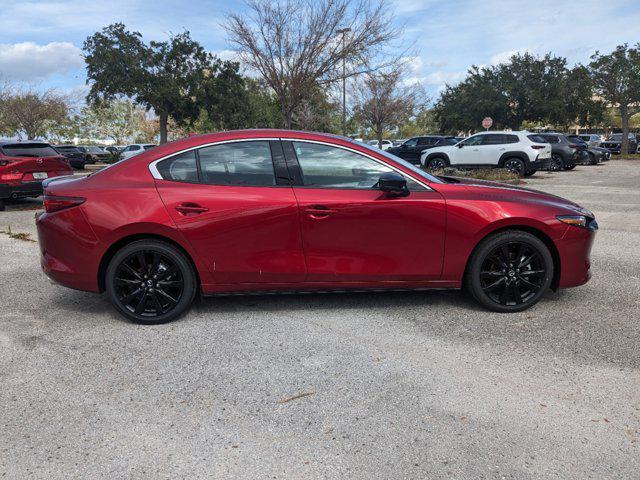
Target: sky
[(41, 41)]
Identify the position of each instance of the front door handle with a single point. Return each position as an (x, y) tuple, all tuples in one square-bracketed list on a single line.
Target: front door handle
[(319, 211), (189, 208)]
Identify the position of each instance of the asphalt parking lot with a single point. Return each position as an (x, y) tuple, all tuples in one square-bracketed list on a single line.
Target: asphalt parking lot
[(388, 385)]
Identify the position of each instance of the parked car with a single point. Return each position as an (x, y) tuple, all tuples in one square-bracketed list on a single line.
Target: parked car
[(613, 143), (93, 154), (135, 149), (202, 214), (73, 154), (591, 139), (565, 155), (385, 145), (520, 152), (23, 166), (413, 148), (596, 154)]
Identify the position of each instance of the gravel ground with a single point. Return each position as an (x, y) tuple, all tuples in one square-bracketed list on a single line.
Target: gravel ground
[(391, 385)]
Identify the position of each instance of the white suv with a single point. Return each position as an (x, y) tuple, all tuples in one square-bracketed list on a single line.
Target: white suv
[(135, 149), (521, 152)]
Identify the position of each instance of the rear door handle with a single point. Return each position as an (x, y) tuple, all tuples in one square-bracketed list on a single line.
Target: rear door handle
[(191, 208)]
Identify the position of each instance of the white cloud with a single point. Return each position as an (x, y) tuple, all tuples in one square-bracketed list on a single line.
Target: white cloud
[(503, 57), (29, 61), (440, 78)]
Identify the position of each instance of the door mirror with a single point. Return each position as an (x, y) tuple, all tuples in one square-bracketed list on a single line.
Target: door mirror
[(460, 145), (393, 184)]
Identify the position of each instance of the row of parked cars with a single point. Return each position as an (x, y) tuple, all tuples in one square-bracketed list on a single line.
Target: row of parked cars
[(520, 151), (81, 155)]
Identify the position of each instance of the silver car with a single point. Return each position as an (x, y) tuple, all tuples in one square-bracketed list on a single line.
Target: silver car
[(591, 139)]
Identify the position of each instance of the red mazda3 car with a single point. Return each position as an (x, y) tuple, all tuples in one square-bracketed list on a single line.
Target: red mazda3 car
[(276, 210)]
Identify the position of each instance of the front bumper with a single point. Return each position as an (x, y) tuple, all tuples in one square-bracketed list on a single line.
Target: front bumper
[(21, 190), (574, 250)]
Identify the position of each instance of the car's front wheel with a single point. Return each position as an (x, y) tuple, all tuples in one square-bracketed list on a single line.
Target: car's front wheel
[(436, 163), (509, 271), (150, 282)]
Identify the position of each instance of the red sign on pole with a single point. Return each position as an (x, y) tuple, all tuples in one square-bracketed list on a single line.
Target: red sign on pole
[(487, 122)]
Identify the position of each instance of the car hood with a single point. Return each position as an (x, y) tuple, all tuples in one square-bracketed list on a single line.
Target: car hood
[(505, 192), (442, 149)]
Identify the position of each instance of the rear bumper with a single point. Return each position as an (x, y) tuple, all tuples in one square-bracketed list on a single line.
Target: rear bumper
[(67, 249), (22, 190)]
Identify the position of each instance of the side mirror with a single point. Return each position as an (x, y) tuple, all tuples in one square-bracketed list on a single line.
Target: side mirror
[(460, 145), (393, 184)]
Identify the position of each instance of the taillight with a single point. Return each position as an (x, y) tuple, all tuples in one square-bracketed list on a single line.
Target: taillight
[(54, 204), (537, 147), (11, 177)]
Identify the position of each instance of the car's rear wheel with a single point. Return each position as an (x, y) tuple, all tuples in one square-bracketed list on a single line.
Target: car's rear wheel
[(556, 164), (510, 271), (436, 163), (569, 167), (150, 282), (515, 165), (592, 159), (530, 173)]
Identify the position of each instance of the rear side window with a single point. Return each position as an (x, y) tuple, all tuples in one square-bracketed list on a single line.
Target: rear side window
[(180, 168), (148, 147), (238, 163), (536, 139), (29, 150)]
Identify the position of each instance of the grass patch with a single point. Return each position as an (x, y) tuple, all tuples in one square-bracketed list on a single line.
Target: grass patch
[(25, 237), (493, 174)]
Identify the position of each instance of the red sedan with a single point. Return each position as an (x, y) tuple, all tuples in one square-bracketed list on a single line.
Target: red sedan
[(23, 166), (276, 210)]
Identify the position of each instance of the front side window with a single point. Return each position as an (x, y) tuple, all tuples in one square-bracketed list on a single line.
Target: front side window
[(493, 139), (412, 142), (180, 168), (238, 163), (475, 140), (324, 166)]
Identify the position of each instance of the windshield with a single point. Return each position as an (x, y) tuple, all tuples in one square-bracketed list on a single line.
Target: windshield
[(418, 171), (29, 150), (94, 149)]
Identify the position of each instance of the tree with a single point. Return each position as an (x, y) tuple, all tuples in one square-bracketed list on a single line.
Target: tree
[(526, 89), (616, 78), (31, 112), (166, 77), (384, 102), (421, 123), (119, 120), (297, 45)]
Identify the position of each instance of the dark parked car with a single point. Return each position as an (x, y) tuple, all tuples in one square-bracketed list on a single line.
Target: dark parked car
[(565, 155), (596, 154), (93, 154), (614, 143), (76, 157), (413, 148)]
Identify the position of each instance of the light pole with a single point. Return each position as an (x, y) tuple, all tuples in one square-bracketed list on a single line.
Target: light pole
[(343, 31)]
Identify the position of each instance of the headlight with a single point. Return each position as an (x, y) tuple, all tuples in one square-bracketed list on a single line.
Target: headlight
[(575, 220)]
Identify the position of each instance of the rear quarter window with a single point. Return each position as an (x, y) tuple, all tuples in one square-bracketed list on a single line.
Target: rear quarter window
[(536, 139)]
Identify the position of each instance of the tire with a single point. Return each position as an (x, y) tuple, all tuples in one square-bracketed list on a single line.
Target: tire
[(569, 167), (530, 173), (592, 159), (515, 165), (556, 163), (494, 278), (436, 163), (150, 282), (1, 204)]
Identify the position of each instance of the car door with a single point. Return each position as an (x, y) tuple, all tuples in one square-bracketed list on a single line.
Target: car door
[(467, 152), (353, 232), (237, 214)]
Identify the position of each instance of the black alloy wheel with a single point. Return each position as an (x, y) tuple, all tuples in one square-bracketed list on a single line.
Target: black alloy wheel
[(515, 165), (510, 271), (150, 282), (437, 163), (556, 164), (592, 159)]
